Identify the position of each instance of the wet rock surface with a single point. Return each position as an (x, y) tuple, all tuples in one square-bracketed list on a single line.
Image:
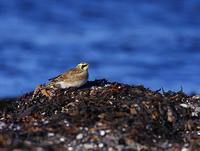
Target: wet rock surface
[(101, 116)]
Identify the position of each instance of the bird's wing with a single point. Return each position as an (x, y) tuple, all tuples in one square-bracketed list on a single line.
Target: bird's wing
[(66, 75), (52, 79)]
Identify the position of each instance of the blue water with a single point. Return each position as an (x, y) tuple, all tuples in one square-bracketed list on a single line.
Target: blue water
[(154, 43)]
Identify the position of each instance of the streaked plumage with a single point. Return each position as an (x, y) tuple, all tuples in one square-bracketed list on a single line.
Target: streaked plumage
[(75, 77)]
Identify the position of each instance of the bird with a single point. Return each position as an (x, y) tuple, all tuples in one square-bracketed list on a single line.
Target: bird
[(75, 77)]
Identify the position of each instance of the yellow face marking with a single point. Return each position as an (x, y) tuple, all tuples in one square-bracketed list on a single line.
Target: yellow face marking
[(83, 66)]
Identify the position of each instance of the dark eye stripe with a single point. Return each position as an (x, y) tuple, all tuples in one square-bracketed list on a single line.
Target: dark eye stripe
[(83, 66)]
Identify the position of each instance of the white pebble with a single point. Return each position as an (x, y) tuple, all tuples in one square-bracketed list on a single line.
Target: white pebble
[(79, 136), (89, 146), (50, 134), (196, 97), (102, 133), (184, 105), (107, 85), (101, 145), (43, 113), (185, 149), (62, 139), (70, 148), (35, 123), (110, 102)]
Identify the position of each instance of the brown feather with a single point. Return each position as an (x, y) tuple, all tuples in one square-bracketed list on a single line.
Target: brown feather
[(68, 75)]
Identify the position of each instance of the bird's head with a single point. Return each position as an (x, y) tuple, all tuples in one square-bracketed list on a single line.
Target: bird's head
[(83, 66)]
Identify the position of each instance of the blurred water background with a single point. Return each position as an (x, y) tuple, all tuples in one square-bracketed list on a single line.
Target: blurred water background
[(154, 43)]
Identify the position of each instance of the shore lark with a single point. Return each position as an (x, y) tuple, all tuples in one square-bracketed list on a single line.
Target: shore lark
[(75, 77)]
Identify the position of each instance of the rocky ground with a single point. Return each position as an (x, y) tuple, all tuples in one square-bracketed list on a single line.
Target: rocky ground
[(101, 116)]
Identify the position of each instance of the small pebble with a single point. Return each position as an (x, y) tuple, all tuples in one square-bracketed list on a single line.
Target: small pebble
[(39, 149), (17, 127), (123, 129), (184, 105), (169, 145), (110, 149), (79, 136), (43, 113), (107, 85), (196, 97), (185, 149), (110, 102), (55, 112), (45, 122), (62, 139), (102, 132), (89, 146), (51, 134), (35, 123), (86, 128), (70, 148), (101, 145)]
